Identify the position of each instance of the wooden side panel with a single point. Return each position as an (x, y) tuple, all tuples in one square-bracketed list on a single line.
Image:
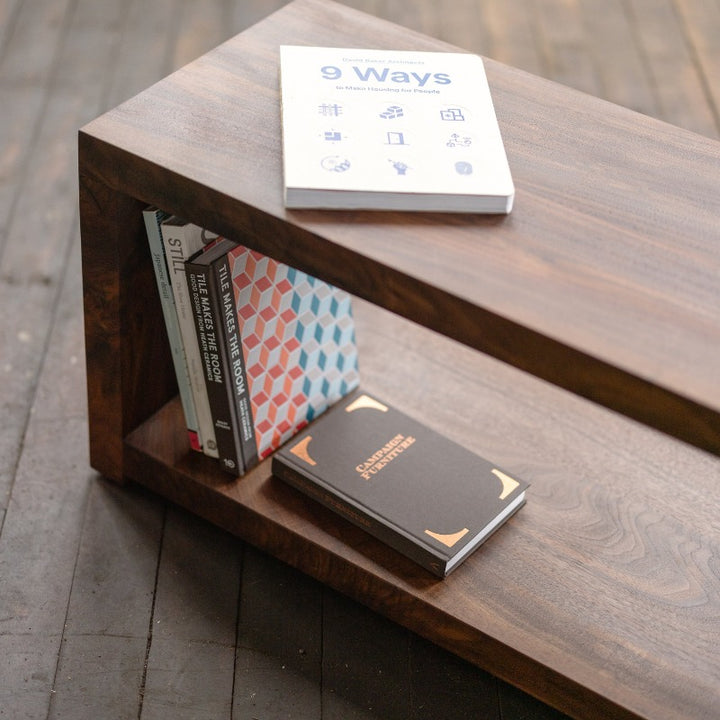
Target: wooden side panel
[(129, 370)]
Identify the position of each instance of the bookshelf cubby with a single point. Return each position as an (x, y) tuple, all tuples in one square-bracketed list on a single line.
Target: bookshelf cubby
[(574, 342)]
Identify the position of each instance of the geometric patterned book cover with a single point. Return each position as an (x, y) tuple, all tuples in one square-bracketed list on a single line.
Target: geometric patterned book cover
[(298, 341)]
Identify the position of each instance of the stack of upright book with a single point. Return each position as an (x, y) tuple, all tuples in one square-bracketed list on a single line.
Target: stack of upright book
[(259, 348)]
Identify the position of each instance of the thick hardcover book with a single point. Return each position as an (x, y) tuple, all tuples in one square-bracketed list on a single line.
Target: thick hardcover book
[(153, 220), (182, 240), (419, 492), (297, 338), (207, 291), (234, 357), (391, 130), (286, 345)]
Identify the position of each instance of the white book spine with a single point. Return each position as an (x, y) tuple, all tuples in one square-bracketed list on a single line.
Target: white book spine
[(182, 240), (153, 219)]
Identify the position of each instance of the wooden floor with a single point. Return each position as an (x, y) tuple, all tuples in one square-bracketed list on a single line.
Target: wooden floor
[(114, 604)]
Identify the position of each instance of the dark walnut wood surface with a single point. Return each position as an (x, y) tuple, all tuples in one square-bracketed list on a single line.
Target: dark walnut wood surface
[(602, 595), (602, 280)]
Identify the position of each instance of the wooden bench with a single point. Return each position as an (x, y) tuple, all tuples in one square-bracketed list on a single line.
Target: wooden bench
[(602, 596)]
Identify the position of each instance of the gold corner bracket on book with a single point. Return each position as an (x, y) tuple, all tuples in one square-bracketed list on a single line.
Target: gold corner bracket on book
[(365, 402), (300, 450), (449, 540), (508, 483)]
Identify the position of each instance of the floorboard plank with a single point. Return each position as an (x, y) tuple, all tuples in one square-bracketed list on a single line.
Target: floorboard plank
[(65, 353), (513, 36), (439, 681), (516, 705), (143, 55), (202, 26), (38, 548), (365, 664), (279, 642), (462, 23), (622, 75), (27, 667), (9, 10), (564, 44), (681, 95), (100, 668), (414, 14), (190, 665), (247, 13), (29, 48), (701, 23)]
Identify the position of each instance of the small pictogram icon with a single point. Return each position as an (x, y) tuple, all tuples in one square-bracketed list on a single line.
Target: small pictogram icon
[(392, 112), (400, 167), (396, 138), (459, 141), (335, 163), (330, 109), (452, 114)]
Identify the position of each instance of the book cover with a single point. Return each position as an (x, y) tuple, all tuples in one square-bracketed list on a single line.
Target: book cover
[(297, 354), (153, 218), (416, 490), (181, 240), (207, 290), (391, 130)]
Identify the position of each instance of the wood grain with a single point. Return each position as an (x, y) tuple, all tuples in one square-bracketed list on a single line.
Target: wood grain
[(125, 343), (601, 590), (601, 280)]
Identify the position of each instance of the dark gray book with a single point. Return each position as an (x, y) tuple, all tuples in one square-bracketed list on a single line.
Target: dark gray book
[(419, 492), (208, 292)]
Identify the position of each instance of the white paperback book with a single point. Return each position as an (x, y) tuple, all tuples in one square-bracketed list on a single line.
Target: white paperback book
[(391, 130)]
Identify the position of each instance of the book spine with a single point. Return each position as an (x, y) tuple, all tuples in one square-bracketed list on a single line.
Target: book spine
[(236, 361), (178, 249), (204, 301), (153, 220), (404, 544)]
